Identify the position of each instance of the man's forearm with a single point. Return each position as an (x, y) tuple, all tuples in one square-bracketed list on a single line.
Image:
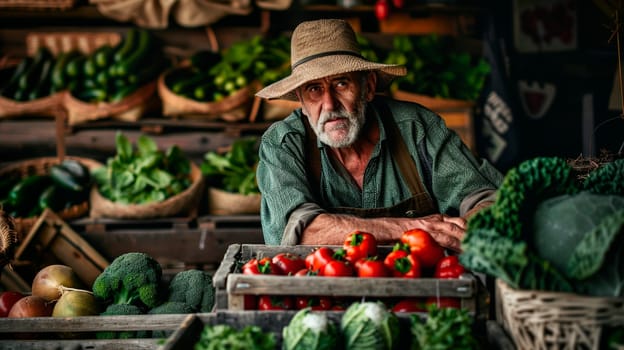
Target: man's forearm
[(332, 229)]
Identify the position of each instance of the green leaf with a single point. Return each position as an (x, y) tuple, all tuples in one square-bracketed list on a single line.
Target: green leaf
[(146, 145), (123, 147)]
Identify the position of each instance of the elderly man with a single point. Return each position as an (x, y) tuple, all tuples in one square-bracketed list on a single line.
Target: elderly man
[(352, 159)]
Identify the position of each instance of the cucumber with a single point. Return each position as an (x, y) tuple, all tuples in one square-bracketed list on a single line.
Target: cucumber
[(7, 183), (92, 95), (184, 86), (42, 88), (52, 197), (59, 76), (127, 46), (9, 89), (141, 51), (103, 56), (73, 69), (204, 92), (89, 68), (77, 170), (29, 79), (22, 195)]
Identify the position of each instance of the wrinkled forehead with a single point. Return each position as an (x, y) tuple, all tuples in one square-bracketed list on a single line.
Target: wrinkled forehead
[(350, 76)]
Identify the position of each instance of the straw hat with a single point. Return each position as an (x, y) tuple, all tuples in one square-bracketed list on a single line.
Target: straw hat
[(322, 48)]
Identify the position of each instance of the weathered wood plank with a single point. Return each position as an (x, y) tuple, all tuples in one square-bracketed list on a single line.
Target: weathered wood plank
[(91, 323)]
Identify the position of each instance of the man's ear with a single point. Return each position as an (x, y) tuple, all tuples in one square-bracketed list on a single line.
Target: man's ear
[(371, 85)]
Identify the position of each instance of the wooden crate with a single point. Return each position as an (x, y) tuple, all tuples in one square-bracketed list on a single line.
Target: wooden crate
[(231, 286), (79, 332), (270, 321)]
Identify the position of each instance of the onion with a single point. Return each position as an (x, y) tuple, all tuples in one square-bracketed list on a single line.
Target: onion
[(75, 302), (31, 306), (50, 279)]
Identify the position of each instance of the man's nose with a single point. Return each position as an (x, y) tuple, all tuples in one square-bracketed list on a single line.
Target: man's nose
[(328, 99)]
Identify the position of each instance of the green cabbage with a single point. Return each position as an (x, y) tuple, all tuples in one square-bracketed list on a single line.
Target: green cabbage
[(369, 326), (310, 331)]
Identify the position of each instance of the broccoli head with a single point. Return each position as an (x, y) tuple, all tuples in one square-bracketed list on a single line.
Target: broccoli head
[(194, 288), (132, 278), (171, 307), (115, 310)]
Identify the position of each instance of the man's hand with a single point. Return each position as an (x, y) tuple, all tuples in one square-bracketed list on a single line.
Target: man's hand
[(446, 230)]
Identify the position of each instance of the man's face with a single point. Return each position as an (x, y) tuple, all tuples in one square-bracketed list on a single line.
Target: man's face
[(336, 106)]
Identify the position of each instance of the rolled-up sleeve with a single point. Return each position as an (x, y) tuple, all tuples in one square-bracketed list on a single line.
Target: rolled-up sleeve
[(282, 178)]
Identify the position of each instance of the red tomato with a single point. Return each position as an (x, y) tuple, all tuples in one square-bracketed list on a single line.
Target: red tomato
[(319, 258), (305, 272), (403, 264), (409, 305), (275, 302), (359, 245), (288, 263), (7, 300), (337, 268), (371, 267), (259, 267), (382, 9), (443, 302), (449, 267), (398, 3), (314, 302), (423, 246)]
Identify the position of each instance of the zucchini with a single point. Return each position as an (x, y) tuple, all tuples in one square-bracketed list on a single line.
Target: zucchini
[(77, 170), (138, 55), (22, 195), (42, 88), (92, 95), (89, 68), (9, 89), (103, 56), (185, 86), (64, 178), (74, 67), (59, 76), (52, 197), (127, 45), (7, 183), (204, 92), (28, 80)]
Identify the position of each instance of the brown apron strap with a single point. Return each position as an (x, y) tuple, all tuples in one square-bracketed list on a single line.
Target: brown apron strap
[(313, 157), (398, 149)]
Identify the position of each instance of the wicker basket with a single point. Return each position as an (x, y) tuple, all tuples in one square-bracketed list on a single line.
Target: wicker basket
[(555, 320), (38, 4), (221, 202), (182, 203), (85, 42), (49, 106), (232, 108), (130, 108), (41, 166)]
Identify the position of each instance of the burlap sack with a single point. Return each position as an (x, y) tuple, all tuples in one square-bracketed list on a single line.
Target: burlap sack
[(189, 13), (183, 203)]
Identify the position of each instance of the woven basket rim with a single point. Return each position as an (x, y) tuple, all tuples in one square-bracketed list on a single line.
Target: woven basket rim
[(545, 319), (181, 202), (174, 105)]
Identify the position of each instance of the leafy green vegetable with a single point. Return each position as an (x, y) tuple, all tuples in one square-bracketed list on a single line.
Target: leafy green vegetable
[(234, 171), (309, 330), (436, 68), (370, 326), (546, 231), (443, 329), (227, 337), (144, 175)]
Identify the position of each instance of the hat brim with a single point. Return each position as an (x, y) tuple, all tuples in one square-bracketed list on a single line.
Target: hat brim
[(325, 66)]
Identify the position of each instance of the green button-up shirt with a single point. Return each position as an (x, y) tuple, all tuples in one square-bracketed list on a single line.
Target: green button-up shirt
[(456, 175)]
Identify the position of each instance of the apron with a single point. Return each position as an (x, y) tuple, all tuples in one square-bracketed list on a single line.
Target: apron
[(420, 204)]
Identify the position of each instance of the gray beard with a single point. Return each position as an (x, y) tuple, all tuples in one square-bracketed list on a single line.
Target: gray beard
[(355, 122)]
